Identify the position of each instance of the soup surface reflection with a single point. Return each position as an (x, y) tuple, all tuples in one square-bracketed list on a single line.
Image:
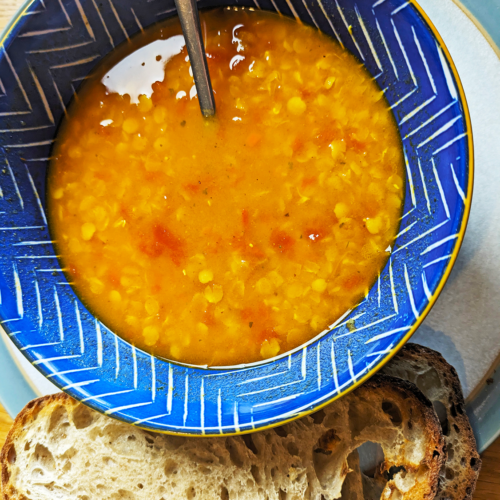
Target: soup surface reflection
[(234, 239)]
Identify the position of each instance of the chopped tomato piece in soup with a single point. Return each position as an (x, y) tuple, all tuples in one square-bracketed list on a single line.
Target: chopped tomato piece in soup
[(282, 241)]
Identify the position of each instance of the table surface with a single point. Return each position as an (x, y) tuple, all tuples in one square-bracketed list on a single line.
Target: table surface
[(488, 487)]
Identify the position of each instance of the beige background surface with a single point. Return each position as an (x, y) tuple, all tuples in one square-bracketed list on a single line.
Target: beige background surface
[(488, 487), (7, 9)]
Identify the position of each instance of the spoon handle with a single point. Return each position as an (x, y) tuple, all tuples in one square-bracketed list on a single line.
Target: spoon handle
[(190, 22)]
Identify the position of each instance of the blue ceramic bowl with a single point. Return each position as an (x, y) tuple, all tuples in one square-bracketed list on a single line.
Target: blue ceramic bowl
[(49, 49)]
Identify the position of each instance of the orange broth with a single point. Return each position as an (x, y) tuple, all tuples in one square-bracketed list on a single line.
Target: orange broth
[(238, 238)]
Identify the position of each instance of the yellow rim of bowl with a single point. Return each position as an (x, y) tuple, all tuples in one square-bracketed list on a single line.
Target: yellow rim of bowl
[(435, 295)]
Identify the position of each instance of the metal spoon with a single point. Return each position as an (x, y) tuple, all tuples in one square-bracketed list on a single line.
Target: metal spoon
[(190, 22)]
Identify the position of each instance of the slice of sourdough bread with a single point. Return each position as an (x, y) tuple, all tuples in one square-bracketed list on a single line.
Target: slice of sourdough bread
[(438, 380), (60, 449)]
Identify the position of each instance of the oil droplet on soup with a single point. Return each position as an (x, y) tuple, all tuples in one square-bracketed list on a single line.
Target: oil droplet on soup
[(234, 239)]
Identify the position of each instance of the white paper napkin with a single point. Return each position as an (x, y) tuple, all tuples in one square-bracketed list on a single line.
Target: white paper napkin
[(465, 322)]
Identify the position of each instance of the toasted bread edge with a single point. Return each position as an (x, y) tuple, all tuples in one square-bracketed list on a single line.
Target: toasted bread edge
[(455, 408), (27, 414), (435, 453)]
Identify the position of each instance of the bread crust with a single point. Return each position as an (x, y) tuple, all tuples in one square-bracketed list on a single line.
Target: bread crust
[(435, 452), (465, 466), (28, 414)]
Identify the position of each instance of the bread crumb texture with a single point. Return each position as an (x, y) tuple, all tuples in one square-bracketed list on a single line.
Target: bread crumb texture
[(60, 449)]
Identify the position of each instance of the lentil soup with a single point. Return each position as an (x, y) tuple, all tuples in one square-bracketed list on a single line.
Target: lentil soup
[(234, 239)]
